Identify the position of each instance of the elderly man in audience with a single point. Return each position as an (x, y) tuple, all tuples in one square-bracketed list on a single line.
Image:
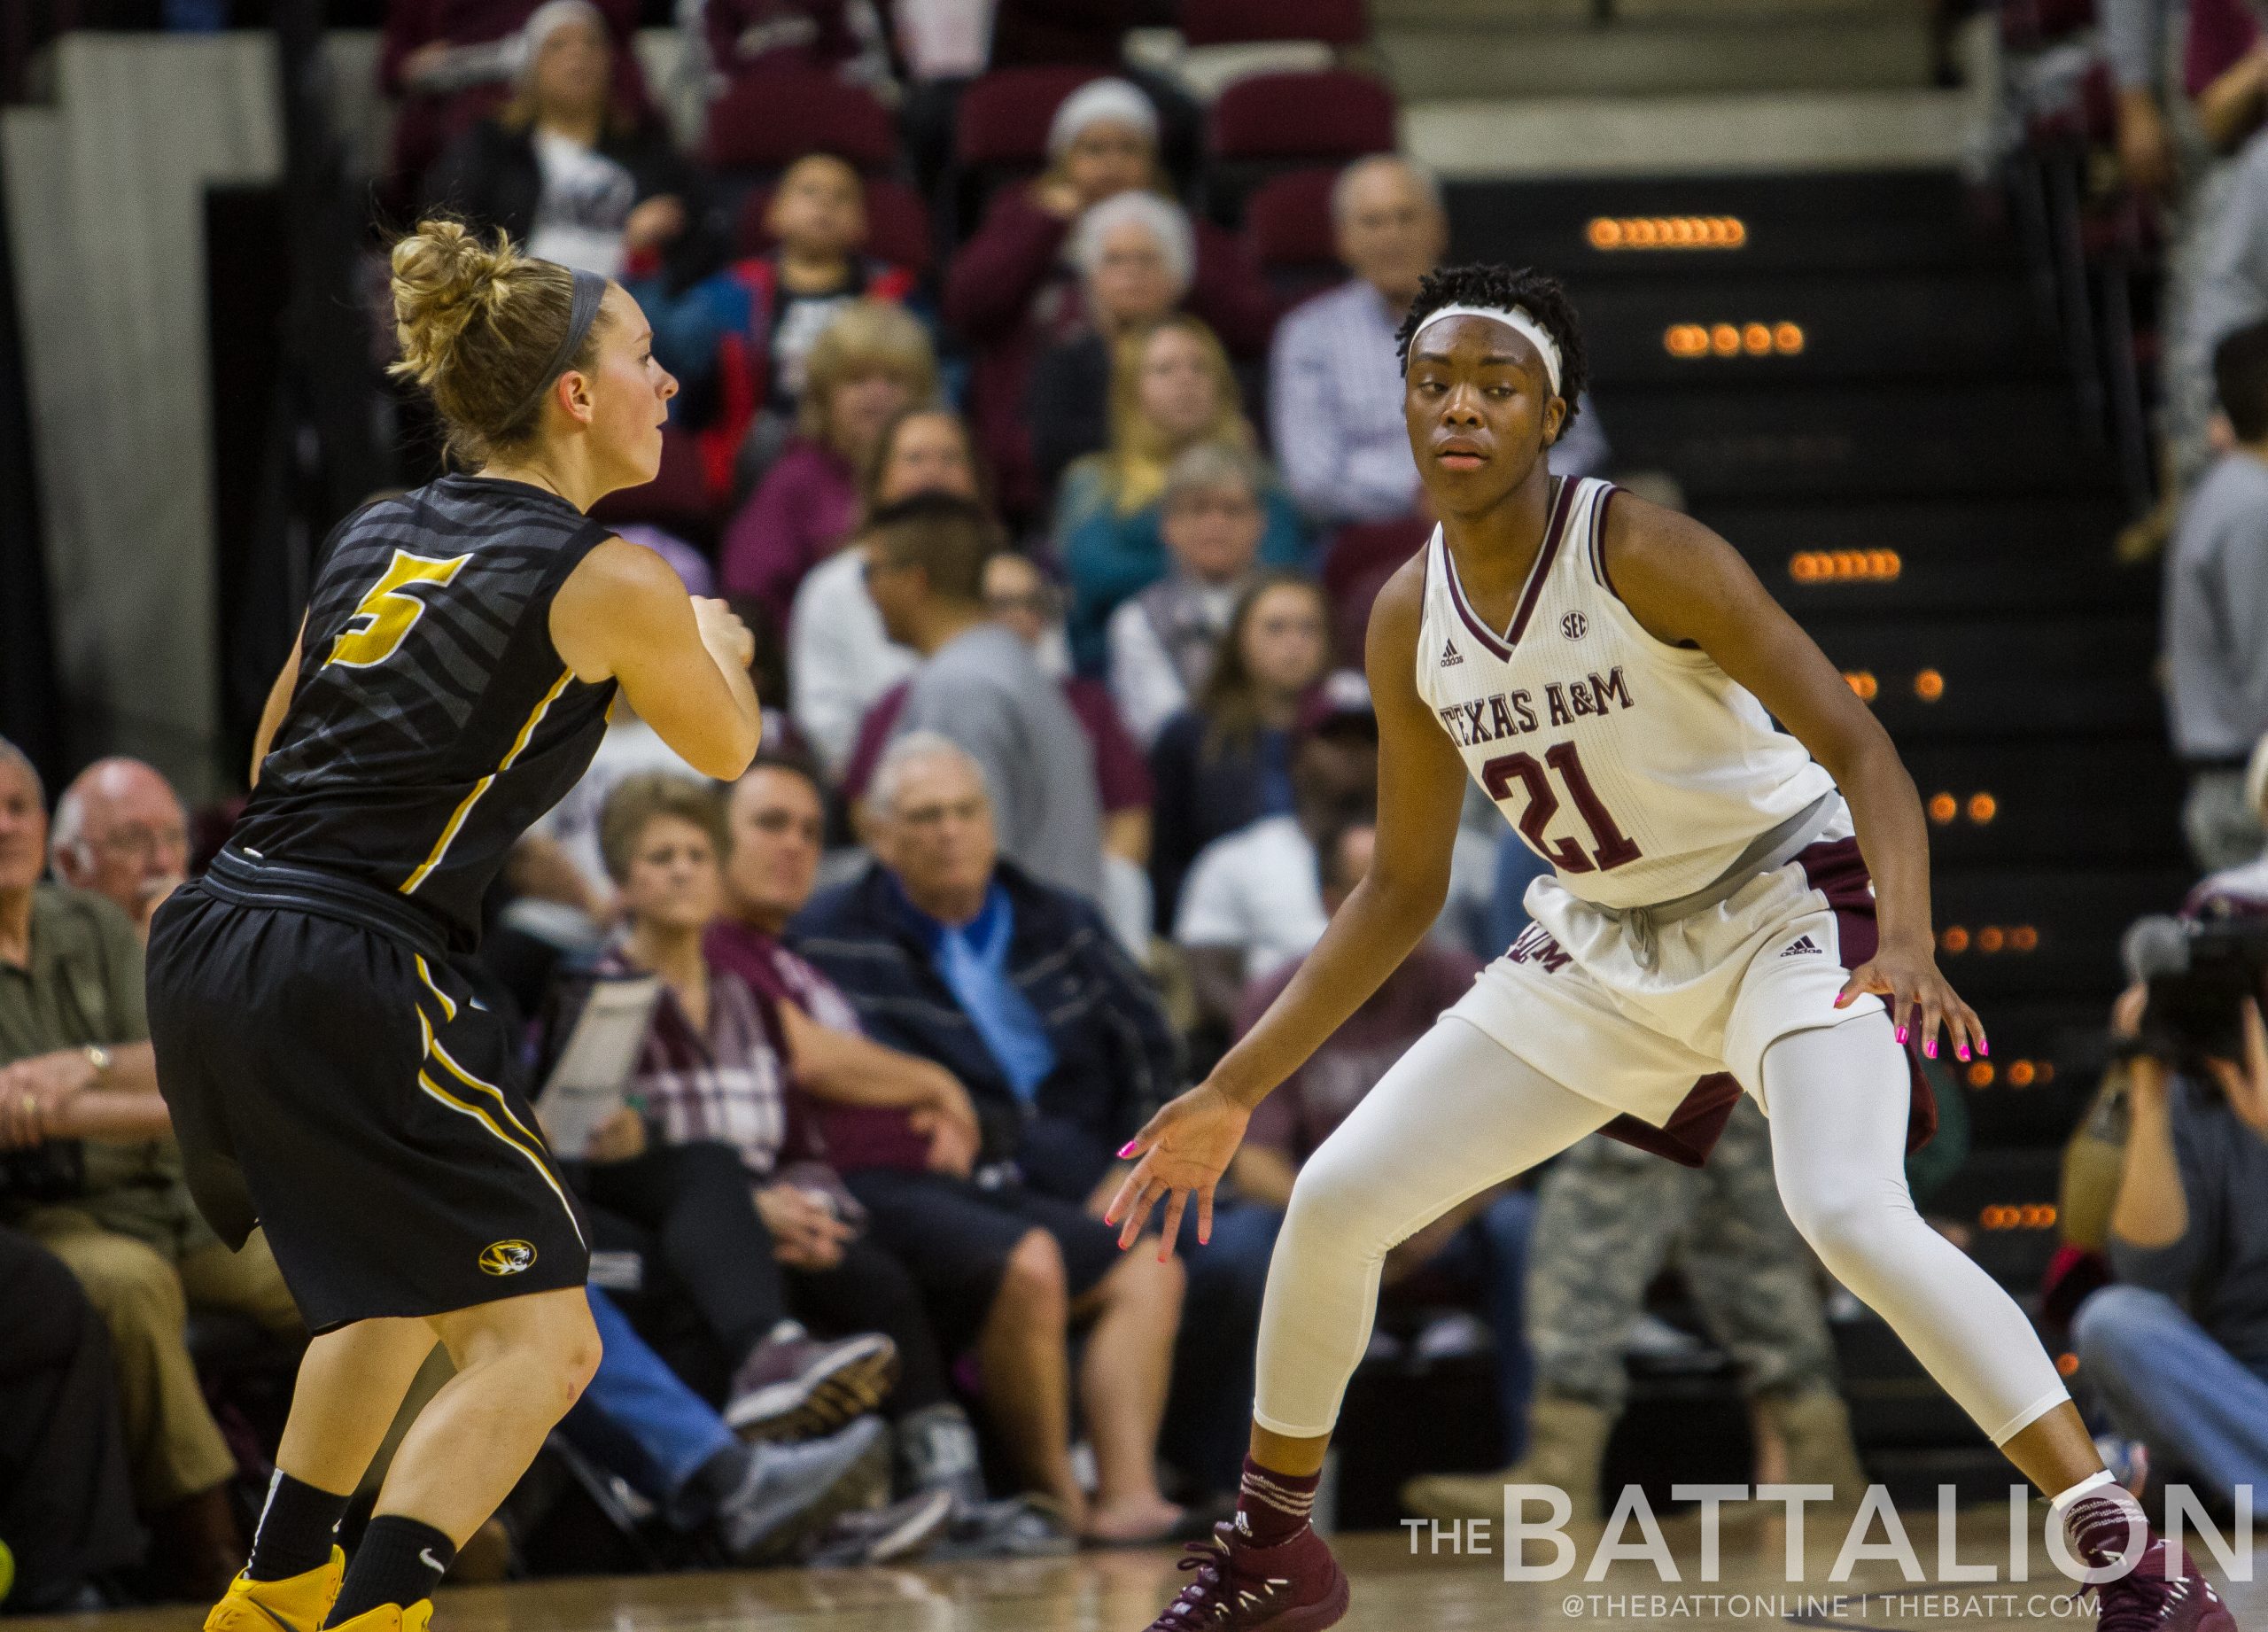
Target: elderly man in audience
[(952, 954), (1018, 594), (88, 1167), (1335, 381), (119, 831), (981, 686)]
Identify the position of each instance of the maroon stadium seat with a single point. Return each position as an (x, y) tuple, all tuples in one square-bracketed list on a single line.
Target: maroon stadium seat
[(897, 223), (767, 121), (1266, 124), (1355, 566), (1332, 113), (1240, 22), (1287, 221), (1004, 116)]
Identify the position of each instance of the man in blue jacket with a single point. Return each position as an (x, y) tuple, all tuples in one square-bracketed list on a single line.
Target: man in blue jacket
[(1018, 989)]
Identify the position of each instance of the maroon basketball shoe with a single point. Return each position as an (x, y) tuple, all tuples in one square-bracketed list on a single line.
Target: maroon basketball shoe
[(2163, 1593), (1294, 1587)]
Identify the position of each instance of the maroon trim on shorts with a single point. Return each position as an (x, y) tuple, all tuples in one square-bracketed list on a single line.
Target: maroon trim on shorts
[(1693, 1128), (1835, 869)]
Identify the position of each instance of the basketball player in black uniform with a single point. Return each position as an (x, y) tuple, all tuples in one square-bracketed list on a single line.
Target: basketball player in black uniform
[(328, 1077)]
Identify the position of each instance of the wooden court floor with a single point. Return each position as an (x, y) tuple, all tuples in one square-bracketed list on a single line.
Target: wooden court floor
[(1395, 1591)]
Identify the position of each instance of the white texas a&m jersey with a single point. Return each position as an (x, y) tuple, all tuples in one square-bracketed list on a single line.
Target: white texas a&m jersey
[(1639, 769)]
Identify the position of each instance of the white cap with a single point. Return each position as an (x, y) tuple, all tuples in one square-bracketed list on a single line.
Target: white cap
[(546, 20), (1114, 101)]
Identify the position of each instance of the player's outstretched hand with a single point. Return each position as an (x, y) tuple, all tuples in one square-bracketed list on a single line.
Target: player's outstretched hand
[(1183, 1151), (1919, 999)]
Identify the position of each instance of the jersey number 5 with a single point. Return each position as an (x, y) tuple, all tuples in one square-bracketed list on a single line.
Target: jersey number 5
[(388, 613), (1614, 847)]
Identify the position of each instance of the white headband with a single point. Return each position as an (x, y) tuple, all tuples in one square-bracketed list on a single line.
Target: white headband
[(1515, 318)]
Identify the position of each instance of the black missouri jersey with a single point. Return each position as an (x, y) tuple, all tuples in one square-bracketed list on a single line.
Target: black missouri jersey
[(432, 720)]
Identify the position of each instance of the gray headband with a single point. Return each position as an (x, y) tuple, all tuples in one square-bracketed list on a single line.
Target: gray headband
[(582, 312)]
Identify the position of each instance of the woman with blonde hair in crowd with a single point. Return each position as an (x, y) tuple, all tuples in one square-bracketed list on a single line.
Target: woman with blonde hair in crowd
[(873, 362), (1171, 390), (837, 651), (1014, 291)]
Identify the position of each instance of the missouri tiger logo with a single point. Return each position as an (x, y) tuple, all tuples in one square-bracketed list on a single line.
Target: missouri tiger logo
[(507, 1257)]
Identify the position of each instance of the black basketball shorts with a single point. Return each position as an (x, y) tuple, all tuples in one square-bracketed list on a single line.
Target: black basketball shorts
[(340, 1088)]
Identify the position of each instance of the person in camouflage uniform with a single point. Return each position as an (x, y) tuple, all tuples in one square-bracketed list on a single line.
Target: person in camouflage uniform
[(1608, 1217)]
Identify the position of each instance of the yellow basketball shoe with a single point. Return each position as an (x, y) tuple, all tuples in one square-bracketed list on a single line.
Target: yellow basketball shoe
[(390, 1618), (295, 1603)]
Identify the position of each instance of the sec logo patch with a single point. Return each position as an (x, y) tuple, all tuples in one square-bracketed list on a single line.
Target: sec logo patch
[(1574, 625), (507, 1257)]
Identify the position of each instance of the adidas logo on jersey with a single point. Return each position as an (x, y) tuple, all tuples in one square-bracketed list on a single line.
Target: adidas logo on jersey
[(1450, 656), (1800, 945)]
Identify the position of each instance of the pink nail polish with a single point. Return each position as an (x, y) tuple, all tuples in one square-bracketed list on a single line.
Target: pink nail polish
[(1930, 1048), (1960, 1054), (1126, 1150), (1983, 1048), (1901, 1037)]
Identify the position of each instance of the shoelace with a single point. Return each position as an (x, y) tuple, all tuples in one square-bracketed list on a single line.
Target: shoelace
[(1209, 1558)]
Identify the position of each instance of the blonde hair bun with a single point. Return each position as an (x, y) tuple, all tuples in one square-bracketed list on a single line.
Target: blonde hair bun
[(443, 276), (478, 322)]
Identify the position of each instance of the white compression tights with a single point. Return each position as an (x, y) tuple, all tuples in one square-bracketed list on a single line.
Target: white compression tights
[(1457, 1113)]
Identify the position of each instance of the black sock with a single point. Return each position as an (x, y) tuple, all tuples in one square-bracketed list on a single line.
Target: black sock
[(399, 1562), (297, 1530)]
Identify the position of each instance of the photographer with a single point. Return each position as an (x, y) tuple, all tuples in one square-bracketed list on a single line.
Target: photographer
[(2178, 1349)]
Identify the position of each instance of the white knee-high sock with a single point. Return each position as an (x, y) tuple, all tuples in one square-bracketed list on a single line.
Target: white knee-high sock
[(1455, 1114), (1838, 1103)]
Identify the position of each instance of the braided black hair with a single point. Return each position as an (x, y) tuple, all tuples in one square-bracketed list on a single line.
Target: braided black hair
[(1538, 293)]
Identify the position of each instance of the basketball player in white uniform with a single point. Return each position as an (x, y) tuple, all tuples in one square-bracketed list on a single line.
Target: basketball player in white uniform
[(1610, 672)]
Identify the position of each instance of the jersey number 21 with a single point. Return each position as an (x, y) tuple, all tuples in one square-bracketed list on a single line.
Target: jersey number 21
[(1613, 846)]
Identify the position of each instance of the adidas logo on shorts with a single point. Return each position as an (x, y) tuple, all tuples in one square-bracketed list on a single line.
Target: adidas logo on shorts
[(1800, 945), (1450, 656)]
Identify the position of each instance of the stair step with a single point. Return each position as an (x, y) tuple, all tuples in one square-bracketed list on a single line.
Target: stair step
[(1675, 227), (2058, 1042), (2018, 803), (2076, 952), (1888, 441), (1667, 56), (1948, 679), (1892, 560), (1825, 327), (1387, 16), (1688, 135)]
